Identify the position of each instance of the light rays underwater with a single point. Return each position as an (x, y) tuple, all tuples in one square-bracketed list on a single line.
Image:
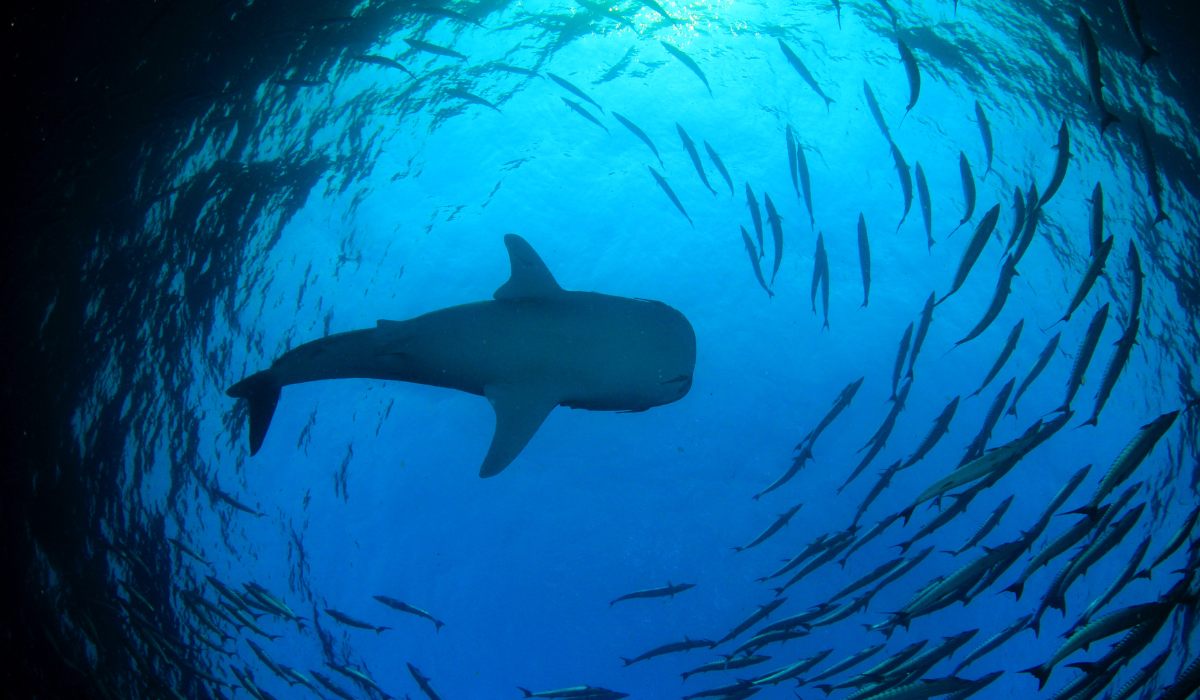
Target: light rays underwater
[(942, 453)]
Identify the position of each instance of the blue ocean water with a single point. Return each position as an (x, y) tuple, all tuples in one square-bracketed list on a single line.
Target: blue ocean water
[(375, 193)]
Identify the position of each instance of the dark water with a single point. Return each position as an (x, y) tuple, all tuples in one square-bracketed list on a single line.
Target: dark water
[(198, 189)]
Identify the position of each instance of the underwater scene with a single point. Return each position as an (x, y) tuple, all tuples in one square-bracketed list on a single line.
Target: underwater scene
[(587, 349)]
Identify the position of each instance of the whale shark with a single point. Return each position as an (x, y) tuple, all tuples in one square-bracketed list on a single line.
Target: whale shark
[(534, 347)]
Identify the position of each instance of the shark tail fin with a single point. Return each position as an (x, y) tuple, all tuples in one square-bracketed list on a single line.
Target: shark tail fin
[(262, 391)]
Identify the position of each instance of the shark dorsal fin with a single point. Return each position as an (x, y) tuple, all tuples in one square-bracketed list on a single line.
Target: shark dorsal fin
[(530, 278)]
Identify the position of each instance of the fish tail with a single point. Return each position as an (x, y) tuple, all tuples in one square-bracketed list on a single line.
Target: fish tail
[(529, 694), (1017, 589), (1106, 119), (1039, 672), (1147, 54), (1162, 216)]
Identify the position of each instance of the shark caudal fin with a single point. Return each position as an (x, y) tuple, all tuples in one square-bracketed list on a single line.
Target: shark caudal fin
[(262, 392)]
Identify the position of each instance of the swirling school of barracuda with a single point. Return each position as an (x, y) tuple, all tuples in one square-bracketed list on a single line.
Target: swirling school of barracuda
[(194, 661)]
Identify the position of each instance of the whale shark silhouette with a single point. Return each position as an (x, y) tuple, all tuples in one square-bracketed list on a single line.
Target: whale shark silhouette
[(535, 347)]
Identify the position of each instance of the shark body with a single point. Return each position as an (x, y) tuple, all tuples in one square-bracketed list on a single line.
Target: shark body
[(534, 347)]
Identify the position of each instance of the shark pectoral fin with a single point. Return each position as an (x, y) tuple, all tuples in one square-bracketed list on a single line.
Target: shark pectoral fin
[(530, 278), (520, 410)]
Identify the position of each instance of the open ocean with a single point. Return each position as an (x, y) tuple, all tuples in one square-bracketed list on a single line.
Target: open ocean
[(228, 182)]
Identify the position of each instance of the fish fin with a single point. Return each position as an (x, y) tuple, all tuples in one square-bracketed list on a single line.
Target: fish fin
[(262, 391), (527, 693), (1017, 588), (520, 411), (1162, 216), (1107, 119), (530, 278), (1039, 672)]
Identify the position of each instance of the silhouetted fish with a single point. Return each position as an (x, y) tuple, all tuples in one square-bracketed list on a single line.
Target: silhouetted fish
[(803, 71), (926, 207), (1033, 214), (1136, 277), (985, 130), (1096, 219), (756, 216), (687, 61), (716, 159), (805, 182), (782, 520), (695, 156), (999, 297), (873, 104), (638, 133), (566, 85), (968, 185), (1115, 365), (791, 151), (864, 258), (1060, 164), (1084, 356), (1091, 63), (434, 49), (669, 591), (1005, 352), (906, 185), (653, 5), (383, 61), (578, 109), (1042, 361), (1133, 20), (1018, 219), (777, 232), (824, 261), (754, 261), (974, 248), (922, 330), (914, 75), (900, 355), (1095, 267), (1150, 170), (941, 426), (671, 194), (464, 95)]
